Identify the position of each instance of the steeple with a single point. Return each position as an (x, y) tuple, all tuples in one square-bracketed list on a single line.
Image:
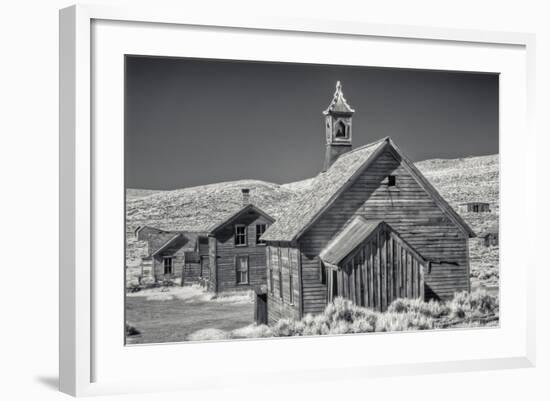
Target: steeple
[(337, 127)]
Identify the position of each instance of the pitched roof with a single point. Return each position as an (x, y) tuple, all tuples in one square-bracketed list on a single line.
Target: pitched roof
[(322, 191), (327, 186), (338, 104), (355, 233), (162, 241), (234, 215)]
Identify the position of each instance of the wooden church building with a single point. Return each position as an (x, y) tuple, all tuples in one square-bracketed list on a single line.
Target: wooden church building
[(370, 228)]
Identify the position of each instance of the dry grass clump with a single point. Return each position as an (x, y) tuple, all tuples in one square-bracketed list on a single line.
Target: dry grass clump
[(252, 331), (403, 321), (431, 308), (209, 334), (477, 309), (344, 317), (475, 304)]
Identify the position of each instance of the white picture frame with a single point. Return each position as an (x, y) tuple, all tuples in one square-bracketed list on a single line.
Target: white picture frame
[(81, 346)]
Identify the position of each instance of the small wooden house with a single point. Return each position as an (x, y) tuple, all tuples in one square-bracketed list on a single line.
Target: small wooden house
[(174, 255), (236, 251), (228, 256), (370, 228), (490, 236), (475, 207)]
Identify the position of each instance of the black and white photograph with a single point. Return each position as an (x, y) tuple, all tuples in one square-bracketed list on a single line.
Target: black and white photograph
[(268, 200)]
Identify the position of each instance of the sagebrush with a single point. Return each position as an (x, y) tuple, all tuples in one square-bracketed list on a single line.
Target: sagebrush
[(344, 317)]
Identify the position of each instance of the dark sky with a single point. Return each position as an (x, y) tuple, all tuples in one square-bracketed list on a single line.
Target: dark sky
[(192, 122)]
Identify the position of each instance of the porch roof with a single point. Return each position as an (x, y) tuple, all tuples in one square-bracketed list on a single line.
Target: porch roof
[(355, 233)]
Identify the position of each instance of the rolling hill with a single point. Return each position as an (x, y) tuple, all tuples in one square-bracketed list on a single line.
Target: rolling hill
[(196, 208)]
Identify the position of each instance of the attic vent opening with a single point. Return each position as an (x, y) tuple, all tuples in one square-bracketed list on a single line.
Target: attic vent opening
[(391, 180)]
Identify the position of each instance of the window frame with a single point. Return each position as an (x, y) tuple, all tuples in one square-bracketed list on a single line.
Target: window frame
[(171, 259), (235, 235), (258, 240), (238, 269)]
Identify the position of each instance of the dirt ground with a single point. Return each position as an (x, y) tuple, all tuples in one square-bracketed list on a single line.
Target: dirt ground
[(170, 316)]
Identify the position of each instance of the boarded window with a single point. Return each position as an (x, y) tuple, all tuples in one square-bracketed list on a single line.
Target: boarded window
[(167, 263), (260, 230), (242, 269), (240, 235)]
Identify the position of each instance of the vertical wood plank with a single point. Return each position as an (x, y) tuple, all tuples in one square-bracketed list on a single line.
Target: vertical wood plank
[(330, 295), (364, 276), (346, 281), (377, 272), (352, 281), (390, 268), (398, 269), (419, 279), (409, 275), (414, 275), (384, 271), (370, 263), (340, 276), (422, 290), (403, 273)]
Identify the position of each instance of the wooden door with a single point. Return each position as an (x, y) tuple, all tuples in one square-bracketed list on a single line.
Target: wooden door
[(260, 308)]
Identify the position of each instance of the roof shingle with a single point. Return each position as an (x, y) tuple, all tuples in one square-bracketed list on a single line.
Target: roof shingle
[(320, 193)]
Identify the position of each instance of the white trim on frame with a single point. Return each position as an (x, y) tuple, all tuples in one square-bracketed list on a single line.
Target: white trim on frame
[(82, 352)]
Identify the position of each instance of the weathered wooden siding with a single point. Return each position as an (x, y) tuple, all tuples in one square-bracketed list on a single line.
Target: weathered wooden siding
[(383, 269), (147, 271), (283, 262), (191, 273), (227, 252), (178, 261), (203, 245), (409, 210)]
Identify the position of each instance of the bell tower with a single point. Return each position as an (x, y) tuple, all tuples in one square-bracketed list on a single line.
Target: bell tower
[(337, 127)]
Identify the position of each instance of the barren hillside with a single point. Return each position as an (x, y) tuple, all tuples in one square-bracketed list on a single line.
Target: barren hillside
[(195, 209), (471, 179)]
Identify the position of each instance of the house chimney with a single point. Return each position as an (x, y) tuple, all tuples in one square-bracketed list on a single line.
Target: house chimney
[(246, 196)]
